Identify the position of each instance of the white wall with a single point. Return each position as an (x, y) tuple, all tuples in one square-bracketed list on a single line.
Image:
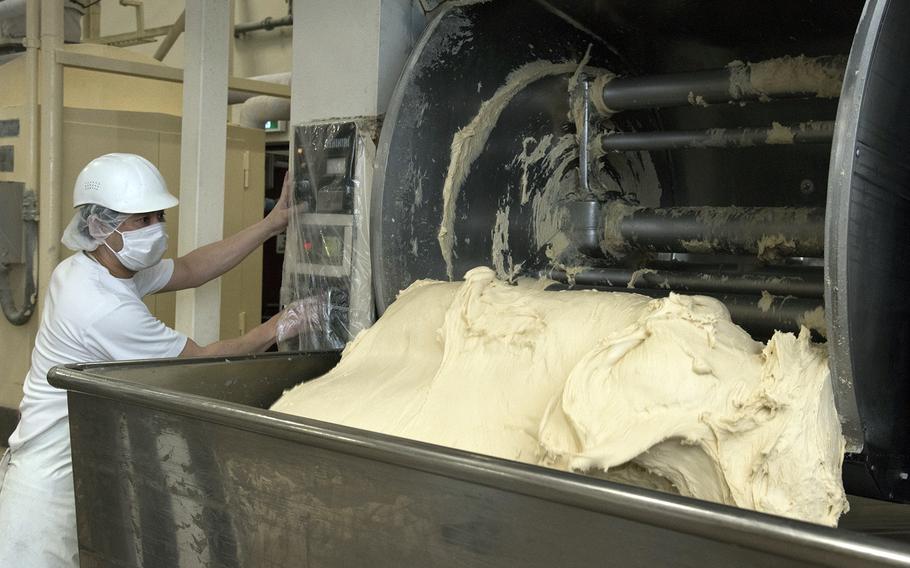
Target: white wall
[(255, 53), (352, 54)]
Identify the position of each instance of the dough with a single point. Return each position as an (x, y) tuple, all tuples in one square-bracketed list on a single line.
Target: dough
[(663, 393)]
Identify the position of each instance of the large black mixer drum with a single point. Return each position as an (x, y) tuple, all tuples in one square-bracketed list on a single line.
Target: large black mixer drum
[(478, 152)]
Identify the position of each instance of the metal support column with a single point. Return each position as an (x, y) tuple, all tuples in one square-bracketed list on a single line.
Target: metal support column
[(202, 157), (51, 142)]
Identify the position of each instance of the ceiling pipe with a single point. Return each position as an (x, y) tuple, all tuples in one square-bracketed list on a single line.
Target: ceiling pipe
[(256, 111), (268, 23)]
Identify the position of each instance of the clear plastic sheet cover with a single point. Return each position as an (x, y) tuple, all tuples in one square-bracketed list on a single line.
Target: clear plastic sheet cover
[(327, 281)]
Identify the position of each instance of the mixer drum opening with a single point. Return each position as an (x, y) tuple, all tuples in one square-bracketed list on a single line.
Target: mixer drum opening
[(752, 153)]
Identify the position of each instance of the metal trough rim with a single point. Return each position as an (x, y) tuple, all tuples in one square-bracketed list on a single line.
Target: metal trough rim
[(757, 531)]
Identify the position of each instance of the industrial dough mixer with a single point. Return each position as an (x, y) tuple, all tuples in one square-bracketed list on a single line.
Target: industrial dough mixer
[(754, 153), (723, 157)]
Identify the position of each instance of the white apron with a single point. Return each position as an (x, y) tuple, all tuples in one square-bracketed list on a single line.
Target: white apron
[(37, 505)]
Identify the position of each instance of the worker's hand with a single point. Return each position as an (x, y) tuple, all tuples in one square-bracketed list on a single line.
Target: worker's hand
[(277, 218), (303, 317)]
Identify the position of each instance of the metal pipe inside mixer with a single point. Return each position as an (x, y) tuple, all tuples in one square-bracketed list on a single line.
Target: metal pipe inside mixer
[(806, 283), (807, 133), (769, 232), (759, 317), (780, 78)]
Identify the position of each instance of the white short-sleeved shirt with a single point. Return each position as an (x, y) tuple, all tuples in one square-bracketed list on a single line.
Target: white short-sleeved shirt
[(89, 316)]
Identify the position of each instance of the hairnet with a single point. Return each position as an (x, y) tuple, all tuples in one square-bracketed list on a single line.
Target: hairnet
[(91, 224)]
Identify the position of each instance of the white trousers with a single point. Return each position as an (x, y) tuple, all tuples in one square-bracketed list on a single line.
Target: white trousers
[(37, 506)]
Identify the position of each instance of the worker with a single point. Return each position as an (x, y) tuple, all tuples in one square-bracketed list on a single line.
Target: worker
[(93, 311)]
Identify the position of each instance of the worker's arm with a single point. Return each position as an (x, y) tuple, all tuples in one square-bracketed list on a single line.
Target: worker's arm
[(304, 316), (213, 260), (256, 340)]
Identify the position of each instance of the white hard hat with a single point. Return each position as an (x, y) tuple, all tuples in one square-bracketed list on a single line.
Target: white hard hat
[(123, 182)]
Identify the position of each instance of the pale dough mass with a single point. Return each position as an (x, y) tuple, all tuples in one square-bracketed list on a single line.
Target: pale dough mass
[(663, 393)]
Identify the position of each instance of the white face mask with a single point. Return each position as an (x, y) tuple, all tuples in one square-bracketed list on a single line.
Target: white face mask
[(142, 248)]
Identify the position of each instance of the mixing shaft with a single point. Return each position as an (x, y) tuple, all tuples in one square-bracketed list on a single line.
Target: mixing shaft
[(768, 232), (738, 82)]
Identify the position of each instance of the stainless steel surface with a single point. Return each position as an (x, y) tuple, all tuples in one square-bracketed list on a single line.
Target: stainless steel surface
[(177, 463), (868, 260), (817, 133), (875, 517)]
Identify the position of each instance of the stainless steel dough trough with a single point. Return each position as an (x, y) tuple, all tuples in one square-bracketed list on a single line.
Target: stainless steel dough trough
[(178, 463)]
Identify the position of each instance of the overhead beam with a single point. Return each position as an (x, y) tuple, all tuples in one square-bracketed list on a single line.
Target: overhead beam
[(162, 72)]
